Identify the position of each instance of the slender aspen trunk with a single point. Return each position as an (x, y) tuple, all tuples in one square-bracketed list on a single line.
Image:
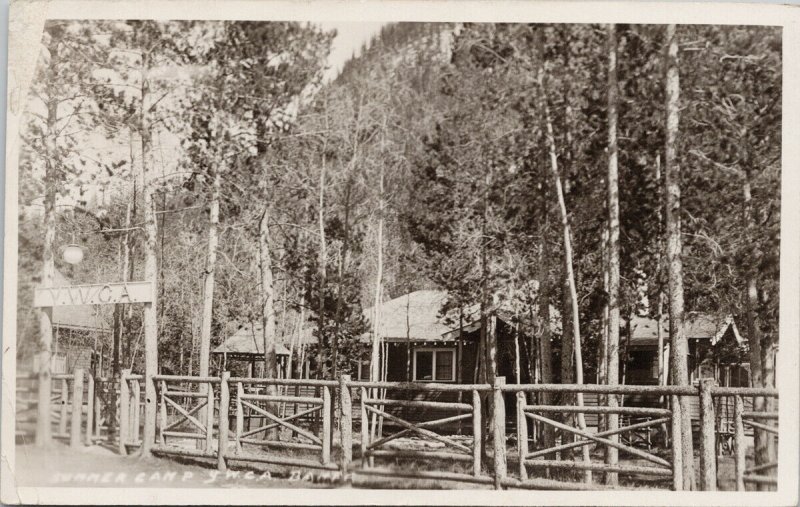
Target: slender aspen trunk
[(211, 264), (268, 323), (545, 350), (52, 162), (343, 258), (375, 369), (612, 454), (374, 374), (151, 262), (323, 259), (129, 258), (761, 360), (568, 262), (679, 345)]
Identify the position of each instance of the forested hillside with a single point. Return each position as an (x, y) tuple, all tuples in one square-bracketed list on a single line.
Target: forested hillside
[(473, 158)]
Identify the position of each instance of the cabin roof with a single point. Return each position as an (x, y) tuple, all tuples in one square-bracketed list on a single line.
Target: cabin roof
[(417, 316), (697, 325), (414, 315), (248, 339), (83, 317)]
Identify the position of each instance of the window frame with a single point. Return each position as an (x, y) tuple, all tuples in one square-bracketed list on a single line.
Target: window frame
[(434, 352)]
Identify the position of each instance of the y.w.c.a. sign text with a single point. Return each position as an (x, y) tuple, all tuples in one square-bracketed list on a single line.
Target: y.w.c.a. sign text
[(95, 294)]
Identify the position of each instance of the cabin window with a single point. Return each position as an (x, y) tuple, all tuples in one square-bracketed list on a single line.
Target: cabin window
[(434, 365)]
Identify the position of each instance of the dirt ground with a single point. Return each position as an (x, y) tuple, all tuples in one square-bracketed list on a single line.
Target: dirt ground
[(101, 467)]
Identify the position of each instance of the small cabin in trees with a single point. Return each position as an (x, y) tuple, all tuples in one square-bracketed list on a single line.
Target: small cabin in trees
[(81, 337), (716, 350)]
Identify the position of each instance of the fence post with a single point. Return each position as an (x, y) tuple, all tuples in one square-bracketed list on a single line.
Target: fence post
[(740, 446), (148, 436), (239, 417), (677, 441), (477, 430), (224, 407), (522, 435), (162, 412), (708, 455), (346, 423), (327, 424), (123, 411), (364, 428), (135, 405), (90, 408), (210, 416), (499, 435), (62, 423), (77, 408)]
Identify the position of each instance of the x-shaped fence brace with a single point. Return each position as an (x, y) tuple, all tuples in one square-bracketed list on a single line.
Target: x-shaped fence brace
[(206, 400), (313, 442), (742, 418), (370, 449), (528, 458)]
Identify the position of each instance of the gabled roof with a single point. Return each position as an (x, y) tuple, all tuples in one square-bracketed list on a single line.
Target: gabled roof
[(416, 315), (698, 326), (249, 339), (84, 317)]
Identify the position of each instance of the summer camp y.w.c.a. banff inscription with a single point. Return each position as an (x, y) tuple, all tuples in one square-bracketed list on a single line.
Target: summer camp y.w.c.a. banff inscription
[(500, 253)]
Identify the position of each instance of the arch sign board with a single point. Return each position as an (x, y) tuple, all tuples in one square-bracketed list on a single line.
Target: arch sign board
[(94, 294)]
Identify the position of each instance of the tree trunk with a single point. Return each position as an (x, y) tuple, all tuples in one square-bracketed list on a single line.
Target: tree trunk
[(150, 264), (211, 264), (545, 350), (52, 162), (762, 371), (679, 345), (374, 374), (268, 323), (323, 259), (340, 282), (612, 454), (568, 263)]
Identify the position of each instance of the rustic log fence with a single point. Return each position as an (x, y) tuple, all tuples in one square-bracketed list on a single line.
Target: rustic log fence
[(302, 417), (281, 430), (544, 414), (186, 411), (444, 413), (742, 418)]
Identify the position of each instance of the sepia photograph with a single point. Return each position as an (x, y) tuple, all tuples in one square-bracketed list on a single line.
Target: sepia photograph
[(303, 254)]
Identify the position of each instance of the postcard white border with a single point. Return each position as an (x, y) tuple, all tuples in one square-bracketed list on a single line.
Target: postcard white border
[(25, 24)]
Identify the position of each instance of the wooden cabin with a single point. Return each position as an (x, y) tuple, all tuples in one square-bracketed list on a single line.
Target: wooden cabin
[(419, 344), (716, 350)]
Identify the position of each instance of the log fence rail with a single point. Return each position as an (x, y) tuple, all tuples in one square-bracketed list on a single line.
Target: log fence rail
[(318, 419)]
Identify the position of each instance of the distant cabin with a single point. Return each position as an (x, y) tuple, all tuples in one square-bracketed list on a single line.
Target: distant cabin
[(716, 350), (243, 352)]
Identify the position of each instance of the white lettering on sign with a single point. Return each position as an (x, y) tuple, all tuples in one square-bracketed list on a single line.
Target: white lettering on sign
[(96, 294)]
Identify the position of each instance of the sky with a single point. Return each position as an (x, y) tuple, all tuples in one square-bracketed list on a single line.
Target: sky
[(349, 38)]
